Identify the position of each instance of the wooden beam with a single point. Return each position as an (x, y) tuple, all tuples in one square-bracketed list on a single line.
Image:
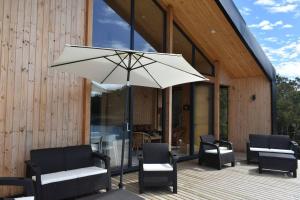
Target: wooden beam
[(86, 83), (168, 126), (217, 102)]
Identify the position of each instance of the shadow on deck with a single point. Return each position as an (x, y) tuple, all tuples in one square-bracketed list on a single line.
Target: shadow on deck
[(240, 182)]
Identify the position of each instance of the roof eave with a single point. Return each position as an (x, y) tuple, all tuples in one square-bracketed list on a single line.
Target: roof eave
[(237, 22)]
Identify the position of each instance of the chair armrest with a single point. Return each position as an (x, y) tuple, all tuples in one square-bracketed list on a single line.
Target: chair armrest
[(141, 162), (295, 147), (33, 170), (293, 143), (211, 145), (248, 146), (25, 182), (103, 157), (174, 157), (227, 143)]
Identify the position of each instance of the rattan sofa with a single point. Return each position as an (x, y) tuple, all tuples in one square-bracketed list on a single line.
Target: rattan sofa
[(270, 143), (61, 173)]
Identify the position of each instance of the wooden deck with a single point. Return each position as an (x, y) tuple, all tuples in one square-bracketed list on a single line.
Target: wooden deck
[(240, 182)]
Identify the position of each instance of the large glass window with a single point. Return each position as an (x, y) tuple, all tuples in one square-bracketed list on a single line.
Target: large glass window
[(111, 24), (202, 64), (107, 121), (203, 112), (149, 26), (182, 45), (224, 101), (112, 28), (147, 113)]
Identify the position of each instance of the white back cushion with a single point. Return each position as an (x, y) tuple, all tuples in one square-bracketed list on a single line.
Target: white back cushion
[(25, 198), (287, 151), (157, 167), (259, 149), (282, 151), (214, 151)]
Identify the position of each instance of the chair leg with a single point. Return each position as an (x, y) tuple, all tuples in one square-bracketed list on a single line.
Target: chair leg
[(141, 189), (232, 164), (199, 161), (175, 185), (295, 173)]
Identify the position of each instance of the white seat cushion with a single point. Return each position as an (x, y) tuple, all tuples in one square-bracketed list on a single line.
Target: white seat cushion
[(56, 177), (70, 174), (214, 151), (87, 171), (287, 151), (157, 167), (25, 198), (259, 149)]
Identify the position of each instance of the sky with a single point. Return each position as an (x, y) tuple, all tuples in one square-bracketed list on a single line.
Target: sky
[(276, 26)]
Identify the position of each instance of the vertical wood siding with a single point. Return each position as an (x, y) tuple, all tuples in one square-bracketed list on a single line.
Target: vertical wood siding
[(245, 115), (39, 107)]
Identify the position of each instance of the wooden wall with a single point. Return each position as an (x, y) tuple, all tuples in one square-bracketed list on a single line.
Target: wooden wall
[(248, 116), (38, 107)]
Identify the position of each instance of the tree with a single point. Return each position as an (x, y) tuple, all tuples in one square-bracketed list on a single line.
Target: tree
[(288, 105)]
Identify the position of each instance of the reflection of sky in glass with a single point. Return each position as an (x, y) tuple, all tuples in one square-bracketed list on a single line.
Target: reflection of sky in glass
[(109, 29), (99, 89), (141, 45)]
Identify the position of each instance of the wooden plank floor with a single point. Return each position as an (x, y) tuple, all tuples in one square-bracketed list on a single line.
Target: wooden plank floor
[(240, 182)]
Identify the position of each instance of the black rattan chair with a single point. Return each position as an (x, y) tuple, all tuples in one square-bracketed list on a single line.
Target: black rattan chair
[(215, 153), (157, 167), (27, 184)]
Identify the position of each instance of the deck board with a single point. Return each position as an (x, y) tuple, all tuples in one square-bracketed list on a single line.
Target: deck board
[(240, 182)]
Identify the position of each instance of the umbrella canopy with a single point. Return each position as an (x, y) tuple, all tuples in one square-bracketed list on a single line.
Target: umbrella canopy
[(112, 66), (126, 67)]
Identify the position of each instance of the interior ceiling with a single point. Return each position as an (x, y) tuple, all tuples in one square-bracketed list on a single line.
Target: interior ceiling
[(207, 26)]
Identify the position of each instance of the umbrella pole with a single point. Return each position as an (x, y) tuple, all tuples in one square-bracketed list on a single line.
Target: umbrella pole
[(121, 185), (127, 111)]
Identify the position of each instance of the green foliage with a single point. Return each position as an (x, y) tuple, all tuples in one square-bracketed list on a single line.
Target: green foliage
[(288, 105)]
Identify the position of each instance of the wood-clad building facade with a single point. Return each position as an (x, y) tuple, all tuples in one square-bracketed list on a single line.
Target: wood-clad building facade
[(41, 108)]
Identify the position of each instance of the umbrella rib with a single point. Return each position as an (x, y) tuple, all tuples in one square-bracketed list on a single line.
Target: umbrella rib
[(143, 65), (82, 60), (122, 59), (116, 62), (136, 60), (149, 73), (152, 77), (118, 65), (173, 67)]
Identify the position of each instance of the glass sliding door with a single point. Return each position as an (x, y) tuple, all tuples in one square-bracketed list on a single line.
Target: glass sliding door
[(107, 122), (203, 112), (147, 113), (111, 29), (224, 112)]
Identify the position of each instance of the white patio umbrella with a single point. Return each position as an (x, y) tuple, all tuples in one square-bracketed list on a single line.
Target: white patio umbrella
[(127, 67)]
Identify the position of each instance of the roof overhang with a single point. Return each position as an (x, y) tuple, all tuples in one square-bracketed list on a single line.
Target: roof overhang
[(218, 29), (236, 20)]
